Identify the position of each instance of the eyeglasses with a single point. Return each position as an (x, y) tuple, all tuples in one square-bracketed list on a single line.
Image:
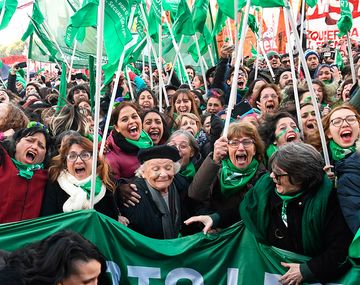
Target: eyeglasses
[(277, 176), (245, 142), (266, 97), (181, 146), (350, 119), (84, 156)]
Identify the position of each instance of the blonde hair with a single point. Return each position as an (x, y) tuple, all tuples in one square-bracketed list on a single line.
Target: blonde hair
[(190, 116)]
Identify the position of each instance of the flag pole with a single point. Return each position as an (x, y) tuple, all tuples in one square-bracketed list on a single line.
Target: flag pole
[(301, 29), (211, 56), (200, 60), (160, 71), (308, 80), (99, 51), (267, 61), (175, 60), (351, 59), (258, 43), (232, 100), (150, 65), (293, 74), (72, 61), (236, 17), (228, 26), (130, 85)]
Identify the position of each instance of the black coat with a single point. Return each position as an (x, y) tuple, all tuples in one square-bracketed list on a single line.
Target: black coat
[(146, 219), (55, 197)]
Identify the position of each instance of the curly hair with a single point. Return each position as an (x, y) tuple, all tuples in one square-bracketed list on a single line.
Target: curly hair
[(15, 118), (58, 162)]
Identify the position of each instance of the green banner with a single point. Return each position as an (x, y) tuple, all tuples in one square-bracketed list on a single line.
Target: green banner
[(230, 257)]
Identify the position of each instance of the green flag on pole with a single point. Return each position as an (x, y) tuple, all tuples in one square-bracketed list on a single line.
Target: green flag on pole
[(62, 90), (311, 3), (183, 24), (339, 60), (199, 14), (7, 10), (345, 22), (220, 23)]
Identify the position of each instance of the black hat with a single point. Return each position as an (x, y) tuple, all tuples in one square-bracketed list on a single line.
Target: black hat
[(159, 151)]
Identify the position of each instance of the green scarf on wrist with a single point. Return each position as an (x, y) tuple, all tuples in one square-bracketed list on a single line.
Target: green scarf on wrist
[(189, 171), (87, 187), (338, 152), (286, 199), (144, 141), (233, 179), (26, 170)]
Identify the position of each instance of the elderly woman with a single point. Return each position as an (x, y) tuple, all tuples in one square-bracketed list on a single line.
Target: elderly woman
[(22, 174), (162, 207), (342, 128), (268, 99), (230, 171), (296, 209), (70, 177), (125, 140)]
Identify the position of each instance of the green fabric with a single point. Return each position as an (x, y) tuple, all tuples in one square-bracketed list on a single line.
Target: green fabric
[(270, 150), (87, 187), (26, 170), (143, 142), (230, 256), (345, 22), (183, 24), (339, 60), (311, 3), (189, 171), (199, 14), (338, 152), (286, 199), (354, 249), (220, 23), (10, 8), (63, 88), (254, 210), (91, 137), (233, 179)]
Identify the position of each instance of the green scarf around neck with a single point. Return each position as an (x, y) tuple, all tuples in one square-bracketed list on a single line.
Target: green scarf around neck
[(233, 179), (270, 150), (144, 141), (286, 199), (255, 212), (26, 170), (338, 152), (189, 171), (87, 187)]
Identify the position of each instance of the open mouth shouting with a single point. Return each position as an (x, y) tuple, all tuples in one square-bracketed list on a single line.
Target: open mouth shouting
[(291, 136), (311, 125), (134, 132), (241, 84), (30, 156), (241, 159), (155, 135), (346, 136), (270, 106)]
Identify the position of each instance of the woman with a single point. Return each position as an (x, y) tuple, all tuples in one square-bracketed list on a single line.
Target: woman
[(309, 124), (182, 102), (12, 119), (294, 208), (188, 122), (268, 99), (23, 177), (125, 140), (198, 82), (229, 172), (163, 205), (326, 75), (146, 99), (155, 126), (73, 260), (215, 104), (277, 130), (190, 156), (6, 96), (341, 127), (70, 181)]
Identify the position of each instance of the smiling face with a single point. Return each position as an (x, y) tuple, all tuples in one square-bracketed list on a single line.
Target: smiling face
[(282, 182), (31, 149), (346, 134), (182, 143), (324, 74), (240, 155), (79, 168), (318, 92), (183, 104), (270, 98), (345, 94), (146, 100), (189, 125), (4, 97), (85, 272), (286, 131), (153, 126), (159, 173), (285, 79), (213, 105), (129, 123), (308, 119)]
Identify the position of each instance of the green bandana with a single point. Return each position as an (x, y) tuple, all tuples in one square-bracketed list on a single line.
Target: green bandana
[(27, 170), (91, 137), (87, 187), (143, 142), (233, 179), (189, 171), (338, 152), (286, 199), (270, 150)]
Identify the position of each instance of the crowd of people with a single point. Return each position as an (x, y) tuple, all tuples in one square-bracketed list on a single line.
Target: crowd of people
[(168, 172)]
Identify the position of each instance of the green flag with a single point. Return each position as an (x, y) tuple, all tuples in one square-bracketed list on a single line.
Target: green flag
[(254, 53), (154, 19), (183, 24), (339, 60), (62, 90), (267, 3), (199, 14), (252, 23), (231, 256), (311, 3), (37, 19), (345, 22), (7, 10), (220, 23)]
